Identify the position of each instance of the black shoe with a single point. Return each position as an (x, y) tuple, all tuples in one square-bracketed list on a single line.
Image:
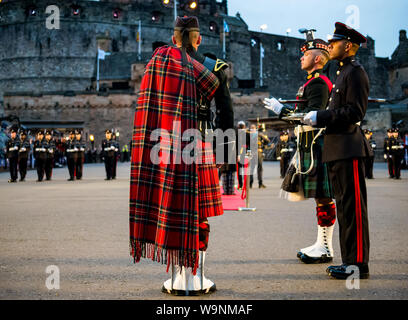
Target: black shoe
[(175, 292), (309, 260), (38, 180), (107, 178), (12, 181), (22, 179), (70, 179), (262, 186), (340, 272)]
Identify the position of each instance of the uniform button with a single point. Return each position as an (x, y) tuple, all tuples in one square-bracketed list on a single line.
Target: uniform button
[(330, 99), (341, 63), (337, 90), (338, 72), (334, 86)]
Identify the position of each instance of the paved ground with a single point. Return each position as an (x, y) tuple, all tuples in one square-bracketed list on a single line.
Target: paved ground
[(82, 227)]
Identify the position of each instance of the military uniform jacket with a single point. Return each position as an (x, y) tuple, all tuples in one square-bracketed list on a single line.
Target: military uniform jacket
[(40, 149), (348, 102), (12, 147), (50, 146), (70, 149), (284, 149), (315, 91), (263, 141), (397, 149), (24, 149), (108, 148)]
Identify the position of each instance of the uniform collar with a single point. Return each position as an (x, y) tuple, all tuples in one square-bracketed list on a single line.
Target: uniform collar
[(314, 74), (347, 61)]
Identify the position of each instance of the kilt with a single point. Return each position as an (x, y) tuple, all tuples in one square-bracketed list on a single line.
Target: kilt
[(316, 183)]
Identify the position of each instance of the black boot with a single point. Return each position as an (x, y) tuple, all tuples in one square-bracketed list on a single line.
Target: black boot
[(341, 272)]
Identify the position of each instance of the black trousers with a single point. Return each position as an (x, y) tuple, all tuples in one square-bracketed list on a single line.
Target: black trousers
[(49, 165), (40, 164), (22, 167), (369, 164), (390, 162), (115, 164), (260, 167), (109, 163), (284, 164), (397, 164), (347, 179), (13, 168), (79, 165), (71, 167)]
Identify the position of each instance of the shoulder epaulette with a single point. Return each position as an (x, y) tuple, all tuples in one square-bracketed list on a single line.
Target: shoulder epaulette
[(220, 64)]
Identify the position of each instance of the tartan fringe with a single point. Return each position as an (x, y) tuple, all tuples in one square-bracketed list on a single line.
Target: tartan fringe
[(147, 250)]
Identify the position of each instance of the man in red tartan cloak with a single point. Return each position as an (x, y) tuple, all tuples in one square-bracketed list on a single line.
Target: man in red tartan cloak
[(171, 199)]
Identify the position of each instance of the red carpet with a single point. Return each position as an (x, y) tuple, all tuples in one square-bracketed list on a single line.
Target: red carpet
[(232, 202)]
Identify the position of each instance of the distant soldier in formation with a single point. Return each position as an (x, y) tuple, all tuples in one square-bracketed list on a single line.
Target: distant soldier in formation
[(284, 151), (80, 155), (388, 143), (12, 148), (263, 141), (241, 152), (71, 154), (370, 160), (397, 152), (40, 155), (49, 145), (115, 144), (108, 152), (23, 154)]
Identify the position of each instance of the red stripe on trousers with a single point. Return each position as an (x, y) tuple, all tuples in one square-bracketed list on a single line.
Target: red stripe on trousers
[(358, 212)]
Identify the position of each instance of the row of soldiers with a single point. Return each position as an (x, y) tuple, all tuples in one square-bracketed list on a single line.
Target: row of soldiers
[(44, 149), (394, 153)]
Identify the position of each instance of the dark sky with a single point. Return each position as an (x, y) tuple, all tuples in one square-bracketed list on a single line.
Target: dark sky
[(379, 19)]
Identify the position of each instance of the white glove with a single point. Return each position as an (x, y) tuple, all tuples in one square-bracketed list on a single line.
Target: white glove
[(273, 104), (310, 119)]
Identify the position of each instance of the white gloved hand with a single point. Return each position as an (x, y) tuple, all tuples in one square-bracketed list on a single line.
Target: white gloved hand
[(273, 104), (310, 119)]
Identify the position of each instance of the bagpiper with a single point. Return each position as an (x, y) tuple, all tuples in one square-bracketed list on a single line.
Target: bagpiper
[(108, 152), (170, 202)]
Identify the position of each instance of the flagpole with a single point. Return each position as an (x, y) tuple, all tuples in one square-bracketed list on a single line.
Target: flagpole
[(175, 10), (97, 71), (224, 54), (139, 54), (260, 65)]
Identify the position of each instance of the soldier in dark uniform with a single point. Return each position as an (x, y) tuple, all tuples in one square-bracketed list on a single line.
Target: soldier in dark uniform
[(345, 149), (49, 144), (263, 141), (12, 148), (108, 152), (241, 150), (71, 154), (224, 117), (284, 152), (115, 143), (397, 152), (388, 143), (369, 164), (40, 155), (80, 155), (23, 154)]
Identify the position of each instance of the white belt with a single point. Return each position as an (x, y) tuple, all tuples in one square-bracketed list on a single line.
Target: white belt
[(301, 129)]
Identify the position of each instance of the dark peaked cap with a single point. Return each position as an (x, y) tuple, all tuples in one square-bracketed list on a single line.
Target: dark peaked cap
[(186, 23), (345, 32)]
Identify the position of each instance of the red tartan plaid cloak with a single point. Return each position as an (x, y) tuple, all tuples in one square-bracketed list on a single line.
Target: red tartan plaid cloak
[(164, 205)]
